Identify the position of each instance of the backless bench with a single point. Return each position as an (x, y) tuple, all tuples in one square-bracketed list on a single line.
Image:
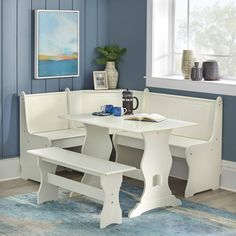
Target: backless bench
[(110, 174)]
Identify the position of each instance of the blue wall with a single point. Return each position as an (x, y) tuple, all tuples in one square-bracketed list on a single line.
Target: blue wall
[(16, 57), (128, 28), (101, 22)]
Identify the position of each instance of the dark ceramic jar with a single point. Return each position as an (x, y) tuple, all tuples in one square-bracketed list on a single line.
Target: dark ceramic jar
[(210, 70), (196, 72)]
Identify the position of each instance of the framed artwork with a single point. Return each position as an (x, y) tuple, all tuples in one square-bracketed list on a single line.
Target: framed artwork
[(56, 44), (100, 80)]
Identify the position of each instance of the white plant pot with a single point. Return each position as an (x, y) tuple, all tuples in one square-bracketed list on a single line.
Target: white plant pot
[(112, 75)]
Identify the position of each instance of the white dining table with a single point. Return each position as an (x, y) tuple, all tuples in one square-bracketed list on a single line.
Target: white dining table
[(156, 160)]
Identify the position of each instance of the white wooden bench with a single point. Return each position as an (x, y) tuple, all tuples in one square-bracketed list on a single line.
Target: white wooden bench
[(41, 127), (199, 145), (110, 174)]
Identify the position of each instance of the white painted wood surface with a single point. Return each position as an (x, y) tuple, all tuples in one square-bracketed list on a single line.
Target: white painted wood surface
[(156, 160), (207, 133), (200, 145), (120, 123), (110, 174), (80, 162), (41, 127)]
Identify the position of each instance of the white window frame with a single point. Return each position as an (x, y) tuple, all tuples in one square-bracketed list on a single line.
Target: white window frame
[(223, 86)]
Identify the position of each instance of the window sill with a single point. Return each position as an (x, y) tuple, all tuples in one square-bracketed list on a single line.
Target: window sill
[(223, 86)]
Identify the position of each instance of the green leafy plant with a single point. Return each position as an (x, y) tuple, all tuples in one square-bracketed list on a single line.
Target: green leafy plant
[(110, 53)]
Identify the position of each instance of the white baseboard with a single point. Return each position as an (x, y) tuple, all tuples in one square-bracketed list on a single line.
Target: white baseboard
[(10, 169), (228, 176)]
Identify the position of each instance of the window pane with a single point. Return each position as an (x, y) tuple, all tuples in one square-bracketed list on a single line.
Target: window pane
[(177, 63), (160, 37), (208, 27), (181, 17), (213, 32)]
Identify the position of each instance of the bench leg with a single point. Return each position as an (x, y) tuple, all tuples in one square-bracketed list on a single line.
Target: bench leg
[(204, 164), (111, 211), (46, 192)]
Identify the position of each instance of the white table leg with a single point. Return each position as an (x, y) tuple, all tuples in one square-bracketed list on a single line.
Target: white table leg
[(155, 165), (97, 144)]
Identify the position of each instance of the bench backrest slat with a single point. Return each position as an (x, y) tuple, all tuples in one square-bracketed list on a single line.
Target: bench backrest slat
[(201, 111), (42, 111), (80, 162), (82, 101)]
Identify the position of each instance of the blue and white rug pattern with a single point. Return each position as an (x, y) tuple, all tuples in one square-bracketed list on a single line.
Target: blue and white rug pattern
[(21, 216)]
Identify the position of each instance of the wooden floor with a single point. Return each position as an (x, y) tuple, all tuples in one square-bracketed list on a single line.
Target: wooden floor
[(219, 199)]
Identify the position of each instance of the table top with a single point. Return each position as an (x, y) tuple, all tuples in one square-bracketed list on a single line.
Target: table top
[(114, 122)]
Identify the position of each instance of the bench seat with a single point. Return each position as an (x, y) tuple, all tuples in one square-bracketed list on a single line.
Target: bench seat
[(110, 174), (62, 134), (65, 138), (178, 144)]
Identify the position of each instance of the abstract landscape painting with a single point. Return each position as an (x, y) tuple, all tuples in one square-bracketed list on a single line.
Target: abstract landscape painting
[(57, 44)]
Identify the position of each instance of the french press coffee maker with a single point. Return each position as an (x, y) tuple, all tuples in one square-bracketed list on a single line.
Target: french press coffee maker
[(127, 101)]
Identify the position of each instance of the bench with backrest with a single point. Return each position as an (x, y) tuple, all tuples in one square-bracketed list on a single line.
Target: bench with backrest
[(41, 127), (199, 145), (110, 174)]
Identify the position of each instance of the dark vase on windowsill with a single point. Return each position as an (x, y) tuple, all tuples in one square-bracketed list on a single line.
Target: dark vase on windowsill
[(196, 72), (210, 70)]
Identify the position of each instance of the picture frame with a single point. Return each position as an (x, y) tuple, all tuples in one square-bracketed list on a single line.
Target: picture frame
[(100, 80), (56, 44)]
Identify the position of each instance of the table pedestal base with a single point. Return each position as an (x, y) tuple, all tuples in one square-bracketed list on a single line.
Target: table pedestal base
[(155, 165), (149, 205)]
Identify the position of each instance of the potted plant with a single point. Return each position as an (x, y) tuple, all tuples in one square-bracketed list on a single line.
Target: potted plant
[(110, 56)]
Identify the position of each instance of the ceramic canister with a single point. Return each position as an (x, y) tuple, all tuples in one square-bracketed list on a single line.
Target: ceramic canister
[(187, 63), (210, 70)]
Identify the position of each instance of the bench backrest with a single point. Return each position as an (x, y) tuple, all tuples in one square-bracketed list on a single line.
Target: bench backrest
[(201, 111), (42, 110), (88, 101)]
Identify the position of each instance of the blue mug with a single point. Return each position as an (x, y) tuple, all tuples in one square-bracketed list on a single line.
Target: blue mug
[(119, 111), (107, 108)]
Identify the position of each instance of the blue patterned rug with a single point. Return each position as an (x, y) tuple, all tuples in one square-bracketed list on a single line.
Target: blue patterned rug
[(21, 216)]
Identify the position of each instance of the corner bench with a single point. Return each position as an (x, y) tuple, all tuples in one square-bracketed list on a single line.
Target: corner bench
[(110, 174)]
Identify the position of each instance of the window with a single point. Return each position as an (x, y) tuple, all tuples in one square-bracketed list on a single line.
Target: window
[(208, 27)]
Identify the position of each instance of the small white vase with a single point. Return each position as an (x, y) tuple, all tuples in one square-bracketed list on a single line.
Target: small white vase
[(112, 74), (187, 63)]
